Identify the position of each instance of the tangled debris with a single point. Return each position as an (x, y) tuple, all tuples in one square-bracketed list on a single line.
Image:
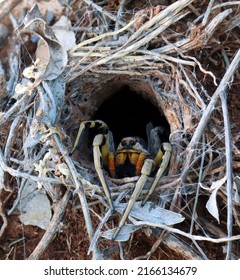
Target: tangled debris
[(183, 58)]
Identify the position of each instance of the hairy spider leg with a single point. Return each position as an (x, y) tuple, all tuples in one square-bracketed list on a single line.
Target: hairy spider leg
[(87, 124), (101, 158), (165, 157), (98, 163), (145, 172)]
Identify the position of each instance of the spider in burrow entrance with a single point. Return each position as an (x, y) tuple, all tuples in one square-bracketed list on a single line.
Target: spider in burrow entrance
[(131, 158)]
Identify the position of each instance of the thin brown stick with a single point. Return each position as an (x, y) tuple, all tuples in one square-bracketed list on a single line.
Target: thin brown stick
[(154, 247), (194, 211), (3, 216)]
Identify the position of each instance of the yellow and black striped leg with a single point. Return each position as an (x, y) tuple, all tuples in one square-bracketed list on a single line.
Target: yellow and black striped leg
[(163, 166), (87, 124), (98, 163), (101, 157), (145, 172)]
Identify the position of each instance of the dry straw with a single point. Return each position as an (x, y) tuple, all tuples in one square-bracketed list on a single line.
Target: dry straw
[(34, 146)]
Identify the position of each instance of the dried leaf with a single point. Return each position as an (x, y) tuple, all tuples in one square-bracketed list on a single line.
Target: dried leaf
[(36, 131), (152, 213), (218, 183), (34, 206), (52, 100), (51, 55), (148, 213), (44, 166), (63, 168), (65, 36), (124, 234), (212, 201)]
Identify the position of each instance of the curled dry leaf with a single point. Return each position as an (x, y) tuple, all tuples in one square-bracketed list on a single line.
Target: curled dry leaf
[(65, 36), (51, 54), (212, 201)]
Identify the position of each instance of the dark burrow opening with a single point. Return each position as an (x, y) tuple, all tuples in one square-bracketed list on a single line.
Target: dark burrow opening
[(127, 113)]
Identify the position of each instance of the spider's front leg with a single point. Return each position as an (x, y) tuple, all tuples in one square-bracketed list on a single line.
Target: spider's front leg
[(145, 172), (98, 163), (101, 152)]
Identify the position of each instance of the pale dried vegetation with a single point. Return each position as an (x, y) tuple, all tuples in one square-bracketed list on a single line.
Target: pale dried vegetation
[(183, 58)]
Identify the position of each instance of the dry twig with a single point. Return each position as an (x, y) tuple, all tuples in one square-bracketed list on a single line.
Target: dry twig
[(208, 111), (157, 53)]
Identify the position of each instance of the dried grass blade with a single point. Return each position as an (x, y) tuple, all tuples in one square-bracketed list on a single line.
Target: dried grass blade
[(208, 111)]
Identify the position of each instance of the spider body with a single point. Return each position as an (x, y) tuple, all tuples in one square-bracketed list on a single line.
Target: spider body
[(131, 158)]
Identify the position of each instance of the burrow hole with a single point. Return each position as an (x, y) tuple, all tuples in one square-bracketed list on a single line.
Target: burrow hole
[(127, 113)]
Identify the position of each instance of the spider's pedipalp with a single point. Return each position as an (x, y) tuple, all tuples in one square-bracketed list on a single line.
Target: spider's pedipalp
[(163, 166), (154, 139)]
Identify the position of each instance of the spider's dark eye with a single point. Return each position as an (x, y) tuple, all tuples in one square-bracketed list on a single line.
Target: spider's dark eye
[(132, 142), (124, 143)]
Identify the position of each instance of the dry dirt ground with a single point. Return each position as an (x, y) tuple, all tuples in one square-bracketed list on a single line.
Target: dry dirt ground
[(71, 240)]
